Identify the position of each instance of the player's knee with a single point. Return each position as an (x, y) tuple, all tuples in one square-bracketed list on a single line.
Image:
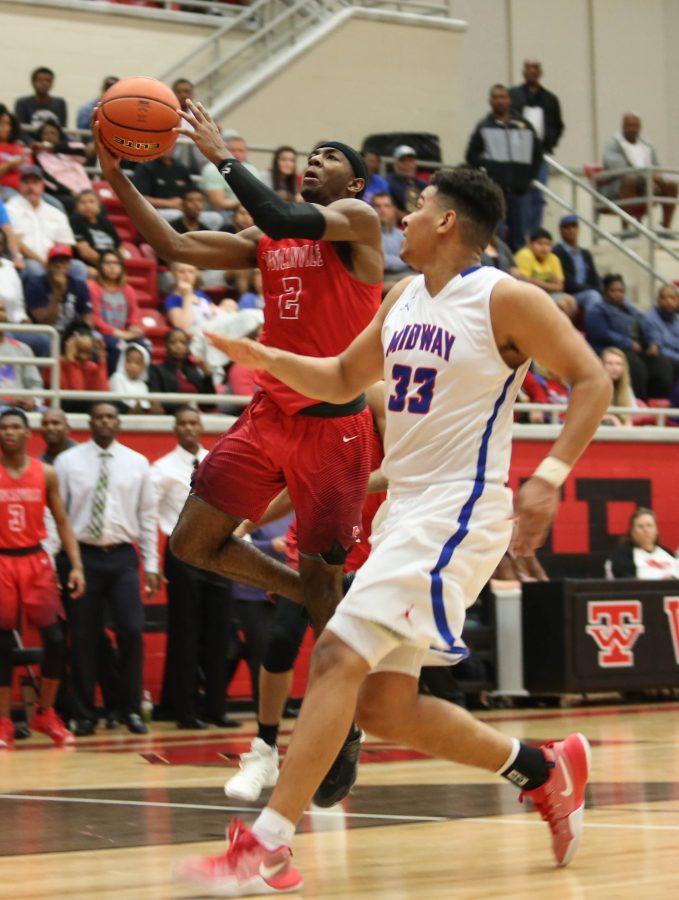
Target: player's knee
[(332, 657), (281, 653), (372, 711)]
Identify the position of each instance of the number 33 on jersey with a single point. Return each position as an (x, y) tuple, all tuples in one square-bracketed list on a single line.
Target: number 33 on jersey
[(444, 375)]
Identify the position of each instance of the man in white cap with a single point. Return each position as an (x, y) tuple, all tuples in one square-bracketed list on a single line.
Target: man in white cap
[(404, 185)]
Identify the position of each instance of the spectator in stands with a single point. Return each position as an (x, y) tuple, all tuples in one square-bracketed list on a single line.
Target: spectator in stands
[(232, 323), (581, 278), (62, 163), (538, 265), (219, 195), (178, 374), (13, 153), (615, 363), (628, 150), (41, 106), (21, 377), (131, 377), (185, 151), (194, 216), (92, 230), (404, 185), (506, 145), (376, 183), (662, 326), (392, 240), (83, 118), (614, 322), (110, 500), (12, 295), (163, 182), (542, 109), (498, 254), (187, 307), (253, 296), (54, 430), (641, 554), (11, 245), (57, 298), (114, 304), (282, 177), (198, 603), (82, 366), (40, 226)]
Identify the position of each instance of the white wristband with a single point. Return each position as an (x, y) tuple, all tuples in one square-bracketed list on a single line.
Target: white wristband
[(553, 470)]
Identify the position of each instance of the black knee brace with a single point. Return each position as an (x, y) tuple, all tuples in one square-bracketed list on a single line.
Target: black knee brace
[(285, 638), (53, 651), (7, 645)]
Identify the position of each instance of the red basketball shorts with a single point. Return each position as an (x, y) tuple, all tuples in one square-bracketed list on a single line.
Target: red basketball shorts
[(324, 462), (28, 583)]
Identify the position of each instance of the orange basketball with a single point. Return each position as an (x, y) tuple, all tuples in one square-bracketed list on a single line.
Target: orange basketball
[(136, 117)]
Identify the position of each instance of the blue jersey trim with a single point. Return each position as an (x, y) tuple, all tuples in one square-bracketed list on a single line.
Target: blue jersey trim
[(469, 270), (462, 531)]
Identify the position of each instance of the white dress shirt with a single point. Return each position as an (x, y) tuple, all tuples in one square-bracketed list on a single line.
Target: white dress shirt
[(12, 292), (131, 512), (39, 227), (171, 476)]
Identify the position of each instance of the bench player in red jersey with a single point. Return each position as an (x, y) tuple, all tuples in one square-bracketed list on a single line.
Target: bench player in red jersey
[(321, 263), (27, 579)]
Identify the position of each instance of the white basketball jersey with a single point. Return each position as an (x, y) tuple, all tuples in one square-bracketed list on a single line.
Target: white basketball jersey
[(450, 395)]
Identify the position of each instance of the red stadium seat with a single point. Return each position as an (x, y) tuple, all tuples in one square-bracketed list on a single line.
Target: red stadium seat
[(107, 197), (130, 250), (142, 275), (123, 225), (593, 169)]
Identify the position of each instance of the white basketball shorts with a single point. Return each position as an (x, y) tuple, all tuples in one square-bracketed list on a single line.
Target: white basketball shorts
[(433, 550)]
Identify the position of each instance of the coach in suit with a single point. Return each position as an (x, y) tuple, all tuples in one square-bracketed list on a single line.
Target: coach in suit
[(581, 278), (110, 500), (198, 603)]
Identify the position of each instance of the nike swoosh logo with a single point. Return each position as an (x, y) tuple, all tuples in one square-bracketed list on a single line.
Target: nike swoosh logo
[(268, 872), (347, 439), (568, 780)]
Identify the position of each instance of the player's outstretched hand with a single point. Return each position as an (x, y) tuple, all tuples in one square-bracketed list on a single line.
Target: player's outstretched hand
[(203, 131), (535, 506), (242, 350), (109, 162)]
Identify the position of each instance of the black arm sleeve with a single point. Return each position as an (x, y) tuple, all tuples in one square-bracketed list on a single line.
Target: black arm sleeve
[(277, 218)]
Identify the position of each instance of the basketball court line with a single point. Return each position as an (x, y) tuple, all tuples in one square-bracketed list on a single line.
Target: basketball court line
[(520, 818)]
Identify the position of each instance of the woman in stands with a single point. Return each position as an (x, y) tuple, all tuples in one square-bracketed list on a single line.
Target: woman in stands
[(114, 302), (187, 307), (13, 153), (178, 373), (282, 177), (641, 555), (62, 161), (92, 229), (615, 363)]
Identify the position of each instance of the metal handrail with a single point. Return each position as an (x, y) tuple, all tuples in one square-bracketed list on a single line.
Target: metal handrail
[(40, 362)]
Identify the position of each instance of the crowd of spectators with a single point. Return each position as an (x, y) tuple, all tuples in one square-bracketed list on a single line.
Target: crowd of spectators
[(64, 262)]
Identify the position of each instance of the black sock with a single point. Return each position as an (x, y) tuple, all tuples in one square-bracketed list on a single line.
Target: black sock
[(354, 732), (268, 733), (529, 770)]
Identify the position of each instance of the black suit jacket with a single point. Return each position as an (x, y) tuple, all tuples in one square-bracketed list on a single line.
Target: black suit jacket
[(571, 286)]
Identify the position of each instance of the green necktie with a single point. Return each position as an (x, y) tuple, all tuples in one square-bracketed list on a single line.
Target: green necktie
[(96, 524)]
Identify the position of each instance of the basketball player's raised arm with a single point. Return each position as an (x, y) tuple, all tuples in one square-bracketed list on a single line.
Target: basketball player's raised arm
[(204, 249), (76, 578), (527, 323), (333, 379)]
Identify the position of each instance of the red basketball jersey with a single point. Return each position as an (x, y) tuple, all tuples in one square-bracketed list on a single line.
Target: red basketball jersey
[(22, 507), (313, 306)]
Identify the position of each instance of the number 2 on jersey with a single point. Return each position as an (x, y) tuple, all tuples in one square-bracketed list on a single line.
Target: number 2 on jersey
[(420, 402), (288, 301)]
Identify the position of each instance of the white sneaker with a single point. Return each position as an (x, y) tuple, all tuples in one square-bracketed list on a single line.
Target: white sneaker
[(258, 770)]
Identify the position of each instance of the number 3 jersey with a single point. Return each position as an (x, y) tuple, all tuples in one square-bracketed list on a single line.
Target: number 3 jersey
[(22, 507), (449, 393), (313, 306)]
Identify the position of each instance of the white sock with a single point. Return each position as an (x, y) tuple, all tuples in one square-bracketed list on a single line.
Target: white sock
[(516, 746), (273, 830)]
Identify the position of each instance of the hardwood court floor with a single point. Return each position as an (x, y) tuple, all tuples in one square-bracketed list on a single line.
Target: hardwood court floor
[(108, 818)]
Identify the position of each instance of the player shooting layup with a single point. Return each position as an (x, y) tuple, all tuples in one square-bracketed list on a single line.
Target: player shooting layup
[(452, 345)]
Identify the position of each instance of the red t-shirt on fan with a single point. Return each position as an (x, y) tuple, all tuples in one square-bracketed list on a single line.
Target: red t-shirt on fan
[(22, 507), (313, 306)]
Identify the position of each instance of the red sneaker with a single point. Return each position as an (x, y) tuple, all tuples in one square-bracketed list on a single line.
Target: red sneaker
[(561, 799), (49, 723), (6, 733), (245, 869)]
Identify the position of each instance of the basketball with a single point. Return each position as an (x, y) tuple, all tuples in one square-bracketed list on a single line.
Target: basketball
[(136, 117)]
